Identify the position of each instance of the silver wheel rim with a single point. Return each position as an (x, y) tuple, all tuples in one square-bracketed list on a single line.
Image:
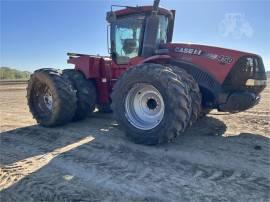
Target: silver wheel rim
[(48, 100), (144, 106)]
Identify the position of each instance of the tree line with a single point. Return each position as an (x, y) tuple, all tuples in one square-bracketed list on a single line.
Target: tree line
[(7, 73)]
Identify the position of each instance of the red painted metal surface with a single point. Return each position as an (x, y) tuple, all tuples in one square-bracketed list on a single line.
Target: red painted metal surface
[(161, 59), (105, 71), (83, 63), (207, 60)]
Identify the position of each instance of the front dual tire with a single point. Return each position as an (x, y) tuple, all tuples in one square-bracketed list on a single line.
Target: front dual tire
[(151, 103), (144, 106)]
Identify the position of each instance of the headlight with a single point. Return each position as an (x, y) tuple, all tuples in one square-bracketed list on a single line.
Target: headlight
[(254, 82)]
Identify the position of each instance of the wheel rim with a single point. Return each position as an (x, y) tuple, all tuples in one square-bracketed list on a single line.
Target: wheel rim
[(48, 100), (43, 100), (144, 106)]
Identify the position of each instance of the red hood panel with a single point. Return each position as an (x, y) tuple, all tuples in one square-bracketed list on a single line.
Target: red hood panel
[(214, 60)]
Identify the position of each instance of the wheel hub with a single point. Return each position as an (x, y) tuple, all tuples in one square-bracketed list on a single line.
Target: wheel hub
[(48, 100), (151, 104), (144, 106)]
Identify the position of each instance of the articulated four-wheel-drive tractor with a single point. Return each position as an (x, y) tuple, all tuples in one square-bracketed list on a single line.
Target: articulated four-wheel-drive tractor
[(154, 87)]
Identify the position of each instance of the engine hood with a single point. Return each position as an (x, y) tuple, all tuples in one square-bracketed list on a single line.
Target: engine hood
[(214, 60), (211, 52)]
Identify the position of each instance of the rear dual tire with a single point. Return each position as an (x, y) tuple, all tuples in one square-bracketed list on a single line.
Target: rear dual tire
[(85, 93), (51, 98), (56, 97), (194, 92)]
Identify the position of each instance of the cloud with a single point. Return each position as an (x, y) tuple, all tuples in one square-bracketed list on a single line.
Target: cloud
[(235, 25)]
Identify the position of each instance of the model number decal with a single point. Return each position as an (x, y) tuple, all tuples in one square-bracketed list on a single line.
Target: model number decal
[(224, 59), (220, 58), (191, 51)]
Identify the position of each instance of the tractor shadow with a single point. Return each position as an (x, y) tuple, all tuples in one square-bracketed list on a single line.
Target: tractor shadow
[(102, 128), (36, 140)]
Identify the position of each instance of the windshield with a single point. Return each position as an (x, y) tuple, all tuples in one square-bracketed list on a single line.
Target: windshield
[(126, 36)]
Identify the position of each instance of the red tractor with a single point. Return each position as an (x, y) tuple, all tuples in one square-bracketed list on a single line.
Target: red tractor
[(155, 88)]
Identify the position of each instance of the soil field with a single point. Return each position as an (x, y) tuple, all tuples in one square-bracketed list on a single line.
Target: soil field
[(221, 158)]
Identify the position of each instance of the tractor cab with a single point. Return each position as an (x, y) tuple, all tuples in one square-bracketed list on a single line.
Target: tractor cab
[(139, 31)]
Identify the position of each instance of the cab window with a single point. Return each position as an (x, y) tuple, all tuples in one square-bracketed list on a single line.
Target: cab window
[(127, 36), (162, 30)]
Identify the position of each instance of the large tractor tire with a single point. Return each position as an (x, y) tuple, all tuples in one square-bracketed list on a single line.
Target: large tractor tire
[(85, 92), (151, 103), (194, 91), (51, 97)]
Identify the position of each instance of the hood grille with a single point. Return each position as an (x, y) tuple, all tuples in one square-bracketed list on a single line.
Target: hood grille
[(247, 67)]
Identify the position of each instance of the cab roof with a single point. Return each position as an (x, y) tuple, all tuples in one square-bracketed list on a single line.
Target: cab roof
[(141, 9)]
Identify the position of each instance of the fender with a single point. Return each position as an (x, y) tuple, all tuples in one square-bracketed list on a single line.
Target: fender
[(207, 83), (161, 59), (204, 79), (89, 65)]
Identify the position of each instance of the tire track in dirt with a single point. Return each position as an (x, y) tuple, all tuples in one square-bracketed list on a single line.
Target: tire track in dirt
[(113, 167)]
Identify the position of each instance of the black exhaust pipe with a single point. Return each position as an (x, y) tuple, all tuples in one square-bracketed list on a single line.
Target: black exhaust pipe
[(151, 31), (155, 7)]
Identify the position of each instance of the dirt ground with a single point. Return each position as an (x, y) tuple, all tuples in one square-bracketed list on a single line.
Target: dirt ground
[(221, 158)]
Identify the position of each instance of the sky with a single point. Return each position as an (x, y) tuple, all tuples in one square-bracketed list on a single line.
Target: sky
[(38, 34)]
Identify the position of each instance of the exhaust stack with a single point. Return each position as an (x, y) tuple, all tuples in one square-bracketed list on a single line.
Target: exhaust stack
[(155, 7), (151, 31)]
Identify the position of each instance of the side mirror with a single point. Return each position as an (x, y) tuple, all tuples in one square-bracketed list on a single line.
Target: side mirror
[(111, 16)]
